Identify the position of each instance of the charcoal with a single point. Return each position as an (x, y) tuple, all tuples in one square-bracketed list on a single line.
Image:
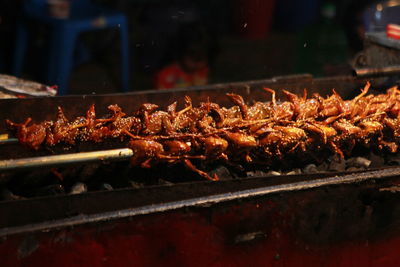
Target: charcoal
[(394, 160), (358, 162), (310, 168), (354, 169), (54, 189), (337, 165), (78, 188), (88, 170), (273, 173), (376, 161), (256, 173), (260, 173), (136, 185), (251, 174), (106, 187), (294, 172), (222, 172), (6, 194), (91, 177), (323, 167)]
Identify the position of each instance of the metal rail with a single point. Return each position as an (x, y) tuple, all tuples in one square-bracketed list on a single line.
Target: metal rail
[(201, 201), (377, 71)]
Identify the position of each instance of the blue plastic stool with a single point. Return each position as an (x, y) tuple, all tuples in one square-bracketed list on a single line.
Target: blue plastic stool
[(84, 16)]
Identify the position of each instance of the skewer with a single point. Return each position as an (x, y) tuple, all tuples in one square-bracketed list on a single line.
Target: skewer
[(46, 161), (5, 139)]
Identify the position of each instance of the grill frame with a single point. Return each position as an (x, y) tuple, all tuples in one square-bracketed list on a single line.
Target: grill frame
[(247, 213), (17, 109)]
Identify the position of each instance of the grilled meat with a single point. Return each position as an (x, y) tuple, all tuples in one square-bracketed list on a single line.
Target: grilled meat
[(242, 134)]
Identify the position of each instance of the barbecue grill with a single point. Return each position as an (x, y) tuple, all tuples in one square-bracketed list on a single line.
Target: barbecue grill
[(336, 218)]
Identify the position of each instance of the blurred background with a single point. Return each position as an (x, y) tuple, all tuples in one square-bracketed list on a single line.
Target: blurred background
[(108, 46)]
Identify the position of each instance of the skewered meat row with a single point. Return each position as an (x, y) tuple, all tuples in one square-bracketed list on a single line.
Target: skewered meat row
[(258, 134)]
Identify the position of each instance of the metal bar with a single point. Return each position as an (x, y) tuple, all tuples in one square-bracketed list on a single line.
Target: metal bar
[(201, 201), (114, 154), (379, 71), (5, 139)]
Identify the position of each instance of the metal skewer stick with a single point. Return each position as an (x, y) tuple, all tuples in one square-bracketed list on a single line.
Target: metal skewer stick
[(46, 161)]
